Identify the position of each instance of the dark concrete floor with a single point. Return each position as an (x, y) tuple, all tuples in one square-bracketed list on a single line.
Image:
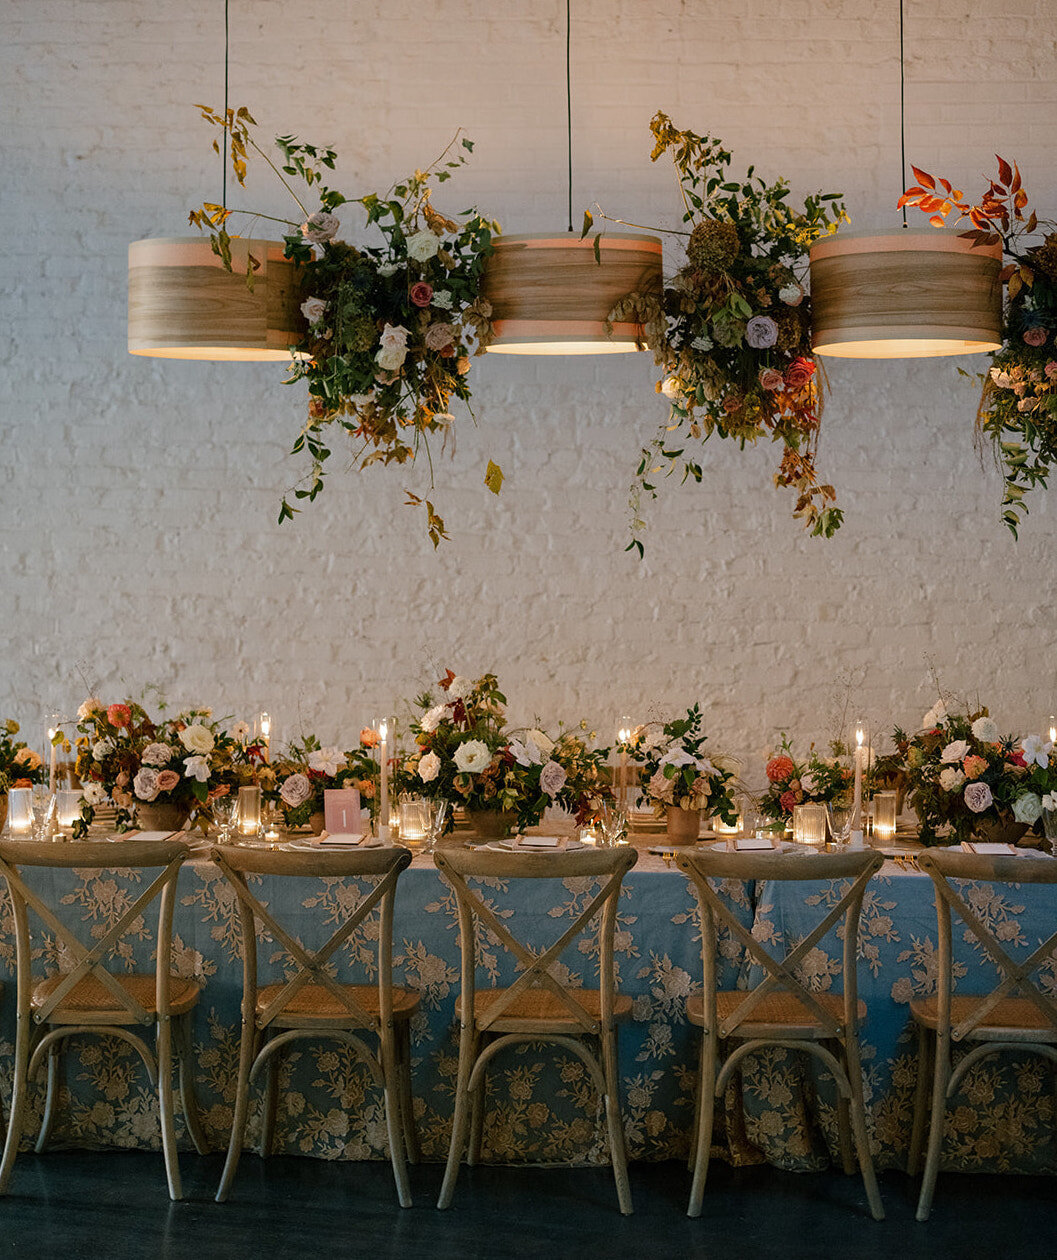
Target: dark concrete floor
[(113, 1204)]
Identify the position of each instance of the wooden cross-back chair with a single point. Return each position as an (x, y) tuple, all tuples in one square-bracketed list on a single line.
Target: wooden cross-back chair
[(91, 997), (538, 1006), (312, 1004), (781, 1010), (1016, 1014)]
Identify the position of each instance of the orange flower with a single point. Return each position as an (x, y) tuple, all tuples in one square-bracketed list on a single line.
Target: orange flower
[(368, 737), (974, 766)]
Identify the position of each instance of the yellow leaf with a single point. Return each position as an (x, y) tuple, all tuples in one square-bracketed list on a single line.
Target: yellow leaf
[(493, 477)]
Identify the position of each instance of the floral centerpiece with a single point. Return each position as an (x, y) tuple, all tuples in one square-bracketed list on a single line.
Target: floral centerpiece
[(961, 773), (20, 765), (465, 754), (391, 327), (677, 775), (1035, 795), (818, 780), (1018, 403), (733, 334), (308, 769), (126, 756)]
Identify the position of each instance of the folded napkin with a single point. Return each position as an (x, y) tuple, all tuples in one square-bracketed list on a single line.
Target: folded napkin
[(539, 842), (349, 838), (980, 846), (744, 844), (153, 835)]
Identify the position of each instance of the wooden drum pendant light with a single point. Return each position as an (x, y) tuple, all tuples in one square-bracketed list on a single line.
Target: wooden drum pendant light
[(550, 295), (183, 304), (903, 294)]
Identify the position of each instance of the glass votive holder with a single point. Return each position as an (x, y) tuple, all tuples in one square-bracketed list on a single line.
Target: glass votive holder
[(412, 817), (884, 815), (809, 824), (249, 811), (67, 808), (722, 828), (20, 812)]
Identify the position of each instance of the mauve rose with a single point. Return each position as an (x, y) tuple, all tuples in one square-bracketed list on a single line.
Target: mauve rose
[(167, 780), (732, 403), (119, 715), (295, 790), (313, 309), (1050, 369), (145, 784), (771, 378), (788, 799), (320, 227), (1035, 337), (421, 293), (761, 332), (440, 336), (552, 779), (799, 372), (978, 797)]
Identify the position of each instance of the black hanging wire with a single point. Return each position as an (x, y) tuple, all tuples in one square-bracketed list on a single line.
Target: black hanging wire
[(224, 147), (569, 101), (902, 115)]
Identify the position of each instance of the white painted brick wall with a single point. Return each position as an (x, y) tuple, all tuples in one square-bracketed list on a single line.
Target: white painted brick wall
[(139, 497)]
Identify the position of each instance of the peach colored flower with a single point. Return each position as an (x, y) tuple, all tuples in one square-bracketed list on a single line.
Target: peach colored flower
[(974, 766), (119, 715), (167, 780), (779, 769), (368, 737)]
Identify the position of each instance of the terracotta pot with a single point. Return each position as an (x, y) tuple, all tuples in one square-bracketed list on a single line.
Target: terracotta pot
[(161, 816), (491, 824), (316, 821), (684, 825)]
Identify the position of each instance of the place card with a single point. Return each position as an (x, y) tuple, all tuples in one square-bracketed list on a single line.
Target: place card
[(539, 842), (981, 846), (747, 844)]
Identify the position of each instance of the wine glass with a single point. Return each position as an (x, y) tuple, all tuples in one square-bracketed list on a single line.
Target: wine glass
[(839, 818), (614, 823), (223, 809), (435, 816)]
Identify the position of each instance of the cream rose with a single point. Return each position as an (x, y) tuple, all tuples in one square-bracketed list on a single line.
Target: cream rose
[(197, 738), (157, 755), (320, 227), (94, 793), (423, 245), (390, 358), (92, 705), (472, 756), (429, 767)]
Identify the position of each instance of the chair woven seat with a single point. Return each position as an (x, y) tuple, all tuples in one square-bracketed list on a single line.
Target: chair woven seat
[(91, 1002), (781, 1013), (541, 1006), (312, 1000), (1008, 1019)]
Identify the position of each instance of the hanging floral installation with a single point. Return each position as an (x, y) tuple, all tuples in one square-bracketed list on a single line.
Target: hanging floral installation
[(391, 327), (733, 331), (1018, 403)]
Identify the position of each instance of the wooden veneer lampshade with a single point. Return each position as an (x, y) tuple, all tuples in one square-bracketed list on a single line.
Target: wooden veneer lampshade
[(549, 295), (902, 294), (183, 304)]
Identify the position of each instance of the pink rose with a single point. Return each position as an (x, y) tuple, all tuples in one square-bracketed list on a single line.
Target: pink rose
[(799, 372), (552, 779), (421, 293), (1051, 369), (978, 797), (787, 800), (321, 227), (167, 780), (732, 403), (440, 337), (119, 715), (145, 784), (771, 378), (1035, 336)]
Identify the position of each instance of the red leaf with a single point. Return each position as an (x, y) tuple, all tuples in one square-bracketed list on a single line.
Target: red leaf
[(923, 177), (1015, 184), (1005, 171)]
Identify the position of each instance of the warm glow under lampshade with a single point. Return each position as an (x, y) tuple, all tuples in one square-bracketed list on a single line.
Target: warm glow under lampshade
[(905, 295), (549, 295), (183, 304)]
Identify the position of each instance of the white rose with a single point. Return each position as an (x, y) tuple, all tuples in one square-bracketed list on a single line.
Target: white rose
[(552, 779), (935, 715), (92, 705), (951, 779), (472, 756), (320, 227), (543, 744), (432, 718), (157, 755), (197, 768), (296, 789), (145, 784), (394, 337), (197, 738), (985, 729), (102, 748), (1027, 808), (954, 751), (459, 688), (94, 793), (390, 358), (327, 761), (423, 245), (429, 767), (313, 309), (442, 299)]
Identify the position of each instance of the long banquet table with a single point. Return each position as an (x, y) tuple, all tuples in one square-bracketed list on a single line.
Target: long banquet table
[(540, 1106)]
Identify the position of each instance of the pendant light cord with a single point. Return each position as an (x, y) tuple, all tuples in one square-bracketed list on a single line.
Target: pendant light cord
[(902, 115), (224, 148), (569, 101)]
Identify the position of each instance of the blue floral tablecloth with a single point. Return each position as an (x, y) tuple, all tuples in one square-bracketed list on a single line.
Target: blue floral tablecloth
[(540, 1104)]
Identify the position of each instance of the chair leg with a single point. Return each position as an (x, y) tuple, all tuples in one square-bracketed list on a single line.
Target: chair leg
[(188, 1095), (165, 1104), (940, 1077), (51, 1101), (704, 1117), (393, 1122), (615, 1121), (844, 1133), (467, 1056), (853, 1067), (19, 1091), (271, 1105), (247, 1047), (473, 1151), (921, 1095), (407, 1099)]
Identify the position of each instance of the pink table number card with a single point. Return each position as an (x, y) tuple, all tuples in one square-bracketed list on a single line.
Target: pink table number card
[(341, 811)]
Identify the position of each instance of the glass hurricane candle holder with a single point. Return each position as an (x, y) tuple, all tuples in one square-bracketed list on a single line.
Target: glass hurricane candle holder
[(67, 808), (20, 812), (809, 824), (413, 821), (249, 811)]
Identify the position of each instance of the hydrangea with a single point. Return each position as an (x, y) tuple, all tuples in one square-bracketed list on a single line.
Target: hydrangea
[(985, 729)]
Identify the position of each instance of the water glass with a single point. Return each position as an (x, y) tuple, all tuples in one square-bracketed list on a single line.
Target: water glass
[(413, 821), (67, 808), (839, 817), (614, 824), (224, 809), (435, 816)]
